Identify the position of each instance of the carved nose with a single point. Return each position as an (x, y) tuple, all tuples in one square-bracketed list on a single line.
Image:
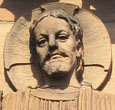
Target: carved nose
[(52, 43)]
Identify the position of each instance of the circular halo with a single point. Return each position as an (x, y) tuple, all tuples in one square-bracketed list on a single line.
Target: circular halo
[(97, 48)]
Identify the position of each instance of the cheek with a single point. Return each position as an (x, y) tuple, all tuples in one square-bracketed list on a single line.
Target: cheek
[(42, 52), (69, 45)]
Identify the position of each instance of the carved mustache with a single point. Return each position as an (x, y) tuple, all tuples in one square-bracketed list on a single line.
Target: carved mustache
[(57, 53), (61, 54)]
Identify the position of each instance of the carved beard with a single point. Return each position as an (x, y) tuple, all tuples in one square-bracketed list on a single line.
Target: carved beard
[(59, 64)]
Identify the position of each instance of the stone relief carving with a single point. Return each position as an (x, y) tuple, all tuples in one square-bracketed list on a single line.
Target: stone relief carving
[(53, 61), (58, 47)]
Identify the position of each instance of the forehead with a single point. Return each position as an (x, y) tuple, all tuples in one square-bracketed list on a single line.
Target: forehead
[(51, 24)]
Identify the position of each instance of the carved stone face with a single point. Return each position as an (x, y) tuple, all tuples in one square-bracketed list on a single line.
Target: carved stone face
[(55, 46)]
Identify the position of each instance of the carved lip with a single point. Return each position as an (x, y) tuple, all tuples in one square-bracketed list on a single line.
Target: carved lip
[(57, 55)]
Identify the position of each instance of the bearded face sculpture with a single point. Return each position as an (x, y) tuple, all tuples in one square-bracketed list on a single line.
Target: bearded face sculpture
[(58, 43)]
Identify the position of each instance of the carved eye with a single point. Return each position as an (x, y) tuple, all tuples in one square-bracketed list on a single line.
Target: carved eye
[(42, 42), (63, 37)]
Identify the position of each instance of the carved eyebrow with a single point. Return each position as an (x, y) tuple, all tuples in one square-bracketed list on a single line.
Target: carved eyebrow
[(61, 31), (43, 35), (40, 36)]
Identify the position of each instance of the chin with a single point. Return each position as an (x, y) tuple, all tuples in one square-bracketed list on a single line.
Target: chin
[(58, 69)]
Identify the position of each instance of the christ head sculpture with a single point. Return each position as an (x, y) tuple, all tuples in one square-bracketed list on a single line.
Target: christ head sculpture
[(45, 47), (58, 43)]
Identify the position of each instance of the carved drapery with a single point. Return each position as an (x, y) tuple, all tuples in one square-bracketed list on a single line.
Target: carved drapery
[(85, 99)]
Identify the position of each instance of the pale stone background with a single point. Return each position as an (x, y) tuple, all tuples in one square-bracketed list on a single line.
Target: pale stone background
[(10, 10)]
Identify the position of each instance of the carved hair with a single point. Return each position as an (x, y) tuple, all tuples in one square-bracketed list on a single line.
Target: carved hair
[(74, 26), (58, 13)]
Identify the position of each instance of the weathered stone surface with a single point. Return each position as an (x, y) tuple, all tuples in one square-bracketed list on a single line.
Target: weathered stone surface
[(6, 15), (110, 86), (96, 40), (88, 100), (13, 9), (68, 93), (10, 10), (104, 9), (4, 29)]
